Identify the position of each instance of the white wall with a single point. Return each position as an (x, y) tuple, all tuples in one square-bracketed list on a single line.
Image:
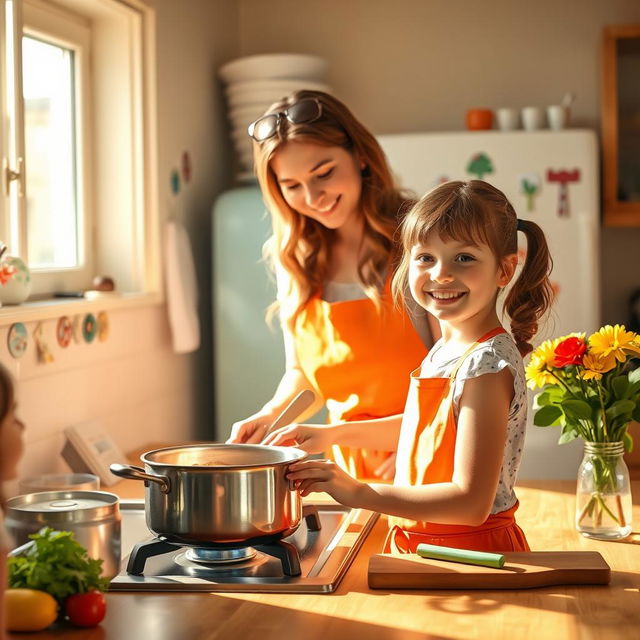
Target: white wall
[(140, 390), (417, 65)]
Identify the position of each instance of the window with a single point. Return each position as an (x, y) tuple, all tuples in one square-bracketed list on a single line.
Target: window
[(79, 186)]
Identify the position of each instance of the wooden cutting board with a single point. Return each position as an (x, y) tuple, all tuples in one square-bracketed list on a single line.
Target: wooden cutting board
[(520, 571)]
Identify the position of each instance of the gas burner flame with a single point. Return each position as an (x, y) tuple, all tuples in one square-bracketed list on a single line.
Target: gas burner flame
[(204, 555)]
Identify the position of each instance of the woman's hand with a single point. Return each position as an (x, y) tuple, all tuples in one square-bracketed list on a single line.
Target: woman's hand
[(309, 438), (325, 475), (387, 470), (251, 430)]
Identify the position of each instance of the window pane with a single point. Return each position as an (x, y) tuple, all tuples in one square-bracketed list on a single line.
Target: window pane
[(52, 212)]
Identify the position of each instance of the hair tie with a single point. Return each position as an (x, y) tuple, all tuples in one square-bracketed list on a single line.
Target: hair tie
[(519, 224)]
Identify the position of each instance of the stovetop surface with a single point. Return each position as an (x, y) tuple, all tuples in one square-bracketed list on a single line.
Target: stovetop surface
[(325, 556)]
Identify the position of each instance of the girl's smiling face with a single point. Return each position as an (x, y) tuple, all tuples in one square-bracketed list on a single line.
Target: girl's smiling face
[(323, 183), (455, 281)]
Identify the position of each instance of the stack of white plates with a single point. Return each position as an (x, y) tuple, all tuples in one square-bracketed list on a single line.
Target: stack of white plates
[(254, 83)]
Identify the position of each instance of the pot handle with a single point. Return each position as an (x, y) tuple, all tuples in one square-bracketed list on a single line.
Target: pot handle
[(137, 473)]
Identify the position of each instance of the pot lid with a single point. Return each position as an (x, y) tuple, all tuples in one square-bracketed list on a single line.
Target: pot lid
[(63, 506)]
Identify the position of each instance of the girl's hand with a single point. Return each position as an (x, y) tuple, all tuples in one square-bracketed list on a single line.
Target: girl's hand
[(251, 430), (387, 470), (309, 438), (325, 475)]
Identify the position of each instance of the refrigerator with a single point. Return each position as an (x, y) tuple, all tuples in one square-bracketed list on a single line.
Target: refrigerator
[(550, 177)]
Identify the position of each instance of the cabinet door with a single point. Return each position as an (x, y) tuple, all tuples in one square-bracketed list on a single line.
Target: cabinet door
[(621, 125)]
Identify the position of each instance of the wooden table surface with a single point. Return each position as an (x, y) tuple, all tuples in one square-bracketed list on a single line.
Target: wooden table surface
[(358, 613)]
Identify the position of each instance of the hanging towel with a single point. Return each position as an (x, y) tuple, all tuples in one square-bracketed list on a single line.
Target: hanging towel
[(182, 289)]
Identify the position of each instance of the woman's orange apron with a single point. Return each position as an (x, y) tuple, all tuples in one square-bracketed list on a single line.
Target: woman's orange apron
[(425, 456), (359, 359)]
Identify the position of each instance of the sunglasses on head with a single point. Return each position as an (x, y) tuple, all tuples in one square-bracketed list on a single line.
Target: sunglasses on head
[(301, 112)]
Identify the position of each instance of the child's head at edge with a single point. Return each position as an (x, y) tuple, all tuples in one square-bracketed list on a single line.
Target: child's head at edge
[(477, 213), (11, 428)]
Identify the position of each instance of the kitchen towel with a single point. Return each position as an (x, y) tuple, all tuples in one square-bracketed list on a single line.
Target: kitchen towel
[(182, 289)]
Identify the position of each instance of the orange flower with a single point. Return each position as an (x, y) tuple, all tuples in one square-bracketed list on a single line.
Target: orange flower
[(595, 365), (6, 273)]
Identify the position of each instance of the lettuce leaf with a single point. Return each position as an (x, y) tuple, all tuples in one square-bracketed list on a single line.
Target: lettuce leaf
[(58, 564)]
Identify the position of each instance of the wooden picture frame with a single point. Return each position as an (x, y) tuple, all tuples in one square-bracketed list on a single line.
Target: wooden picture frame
[(618, 212)]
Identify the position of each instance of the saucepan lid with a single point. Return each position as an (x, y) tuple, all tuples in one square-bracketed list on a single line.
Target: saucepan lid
[(60, 507)]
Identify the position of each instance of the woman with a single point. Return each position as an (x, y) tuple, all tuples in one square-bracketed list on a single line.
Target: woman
[(335, 210)]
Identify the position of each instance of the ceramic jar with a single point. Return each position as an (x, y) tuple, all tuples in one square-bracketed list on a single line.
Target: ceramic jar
[(479, 119), (15, 285)]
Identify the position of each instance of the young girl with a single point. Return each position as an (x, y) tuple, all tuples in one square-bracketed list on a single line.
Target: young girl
[(335, 210), (460, 439), (11, 446)]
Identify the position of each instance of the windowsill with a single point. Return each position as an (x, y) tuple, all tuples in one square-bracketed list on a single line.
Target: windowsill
[(44, 309)]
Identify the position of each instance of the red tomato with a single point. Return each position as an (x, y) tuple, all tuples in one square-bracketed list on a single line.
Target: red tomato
[(86, 609)]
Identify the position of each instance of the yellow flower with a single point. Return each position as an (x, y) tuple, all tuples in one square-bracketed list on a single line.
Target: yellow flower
[(616, 341), (537, 371), (596, 365), (545, 353)]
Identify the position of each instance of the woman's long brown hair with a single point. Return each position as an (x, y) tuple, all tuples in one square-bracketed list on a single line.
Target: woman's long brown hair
[(301, 245), (478, 213)]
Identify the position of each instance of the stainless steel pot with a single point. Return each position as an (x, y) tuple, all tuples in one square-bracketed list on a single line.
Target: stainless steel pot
[(92, 516), (219, 494)]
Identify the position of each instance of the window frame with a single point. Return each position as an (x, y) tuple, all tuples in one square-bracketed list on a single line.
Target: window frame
[(58, 26), (125, 194)]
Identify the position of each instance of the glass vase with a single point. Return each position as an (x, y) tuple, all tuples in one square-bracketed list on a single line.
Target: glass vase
[(603, 497)]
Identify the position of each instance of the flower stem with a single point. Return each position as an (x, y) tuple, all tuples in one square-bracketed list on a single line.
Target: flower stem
[(604, 416)]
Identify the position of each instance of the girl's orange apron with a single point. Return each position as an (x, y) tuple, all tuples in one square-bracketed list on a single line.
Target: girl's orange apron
[(425, 456), (358, 358)]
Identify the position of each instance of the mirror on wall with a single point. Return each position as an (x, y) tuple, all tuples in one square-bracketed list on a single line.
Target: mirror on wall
[(621, 125)]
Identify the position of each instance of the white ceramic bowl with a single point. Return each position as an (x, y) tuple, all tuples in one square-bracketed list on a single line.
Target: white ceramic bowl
[(256, 105), (244, 115), (274, 65), (271, 90)]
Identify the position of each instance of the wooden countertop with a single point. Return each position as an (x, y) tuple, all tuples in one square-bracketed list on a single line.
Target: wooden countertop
[(358, 613)]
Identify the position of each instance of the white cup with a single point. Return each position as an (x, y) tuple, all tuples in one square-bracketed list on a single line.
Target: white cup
[(558, 116), (533, 118), (508, 119)]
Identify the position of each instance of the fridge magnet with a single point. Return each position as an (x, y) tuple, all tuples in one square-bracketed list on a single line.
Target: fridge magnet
[(174, 180), (185, 164), (480, 165), (89, 327), (42, 348), (17, 340), (103, 326), (64, 331), (530, 187), (76, 328), (563, 177)]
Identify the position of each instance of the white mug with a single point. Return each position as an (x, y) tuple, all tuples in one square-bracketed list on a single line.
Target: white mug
[(533, 118), (558, 116), (508, 119)]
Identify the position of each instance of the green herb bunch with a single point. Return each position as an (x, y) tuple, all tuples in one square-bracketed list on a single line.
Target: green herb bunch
[(58, 564)]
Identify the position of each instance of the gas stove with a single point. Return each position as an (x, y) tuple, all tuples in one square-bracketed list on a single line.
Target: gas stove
[(311, 560)]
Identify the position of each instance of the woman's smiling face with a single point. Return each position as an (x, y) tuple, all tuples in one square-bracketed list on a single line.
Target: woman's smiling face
[(456, 281), (323, 183)]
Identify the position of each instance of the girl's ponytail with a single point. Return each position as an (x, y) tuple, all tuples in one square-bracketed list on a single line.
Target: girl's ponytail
[(531, 294)]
